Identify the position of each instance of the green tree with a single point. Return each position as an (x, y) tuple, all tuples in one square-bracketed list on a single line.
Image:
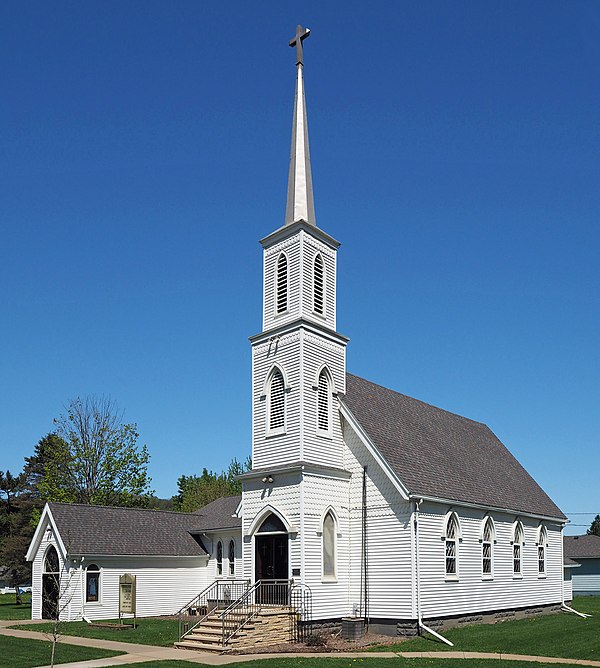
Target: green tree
[(197, 491), (594, 529), (93, 458), (16, 530)]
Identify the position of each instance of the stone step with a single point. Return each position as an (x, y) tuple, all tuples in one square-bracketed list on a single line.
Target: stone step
[(184, 644)]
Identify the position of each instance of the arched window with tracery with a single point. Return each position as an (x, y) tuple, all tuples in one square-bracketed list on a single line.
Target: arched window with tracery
[(329, 546), (231, 557), (276, 402), (518, 540), (219, 558), (281, 298), (542, 542), (319, 285), (92, 584), (487, 549), (324, 403), (451, 544), (51, 562)]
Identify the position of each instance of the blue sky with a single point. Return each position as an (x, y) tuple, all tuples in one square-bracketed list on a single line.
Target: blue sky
[(455, 148)]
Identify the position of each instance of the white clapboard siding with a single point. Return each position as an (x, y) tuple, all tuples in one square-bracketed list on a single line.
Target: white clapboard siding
[(312, 247), (210, 542), (568, 585), (283, 495), (284, 448), (389, 536), (586, 578), (471, 593), (320, 494)]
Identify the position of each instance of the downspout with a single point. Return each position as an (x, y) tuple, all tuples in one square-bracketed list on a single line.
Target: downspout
[(564, 606), (420, 624)]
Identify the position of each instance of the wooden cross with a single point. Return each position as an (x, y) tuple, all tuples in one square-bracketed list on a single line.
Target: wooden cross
[(301, 35)]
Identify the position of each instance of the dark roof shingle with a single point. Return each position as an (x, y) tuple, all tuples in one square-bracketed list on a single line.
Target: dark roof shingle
[(218, 514), (107, 530), (582, 547), (440, 454)]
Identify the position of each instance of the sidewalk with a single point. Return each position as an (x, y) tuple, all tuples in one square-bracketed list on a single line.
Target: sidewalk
[(135, 653)]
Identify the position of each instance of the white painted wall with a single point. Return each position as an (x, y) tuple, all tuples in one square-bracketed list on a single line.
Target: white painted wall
[(586, 578)]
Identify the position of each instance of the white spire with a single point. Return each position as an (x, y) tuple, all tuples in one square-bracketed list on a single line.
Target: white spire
[(300, 202)]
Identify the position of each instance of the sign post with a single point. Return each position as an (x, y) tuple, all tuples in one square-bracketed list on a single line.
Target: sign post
[(127, 597)]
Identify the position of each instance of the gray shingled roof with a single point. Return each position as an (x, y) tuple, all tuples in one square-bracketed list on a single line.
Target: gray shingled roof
[(439, 454), (582, 547), (105, 530), (219, 515)]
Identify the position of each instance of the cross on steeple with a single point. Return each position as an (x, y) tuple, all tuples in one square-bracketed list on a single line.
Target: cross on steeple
[(301, 35)]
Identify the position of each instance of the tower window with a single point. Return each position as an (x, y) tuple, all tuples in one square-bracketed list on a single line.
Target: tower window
[(282, 284), (324, 402), (318, 285), (277, 401)]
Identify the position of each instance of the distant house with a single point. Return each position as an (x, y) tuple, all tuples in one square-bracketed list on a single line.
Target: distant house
[(585, 550)]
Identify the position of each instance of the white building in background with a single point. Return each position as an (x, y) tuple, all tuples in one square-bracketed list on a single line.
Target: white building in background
[(383, 506)]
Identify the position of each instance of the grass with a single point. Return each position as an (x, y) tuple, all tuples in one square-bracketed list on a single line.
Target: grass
[(318, 662), (8, 609), (150, 631), (25, 653), (564, 635)]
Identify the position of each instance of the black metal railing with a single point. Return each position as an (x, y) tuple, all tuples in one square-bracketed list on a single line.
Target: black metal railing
[(217, 596), (301, 604), (263, 594)]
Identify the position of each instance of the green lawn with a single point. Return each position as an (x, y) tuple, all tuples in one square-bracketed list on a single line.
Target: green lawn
[(25, 653), (356, 663), (8, 609), (150, 631), (562, 634)]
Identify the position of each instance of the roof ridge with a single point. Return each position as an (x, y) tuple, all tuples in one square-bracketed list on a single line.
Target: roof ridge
[(420, 401), (94, 505)]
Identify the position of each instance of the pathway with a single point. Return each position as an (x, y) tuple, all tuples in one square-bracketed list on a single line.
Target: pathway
[(135, 653)]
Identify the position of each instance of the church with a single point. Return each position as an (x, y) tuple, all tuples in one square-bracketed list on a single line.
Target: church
[(362, 502)]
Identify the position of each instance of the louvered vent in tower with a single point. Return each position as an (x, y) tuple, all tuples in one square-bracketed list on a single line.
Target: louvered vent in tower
[(282, 283), (318, 284), (323, 402), (277, 404)]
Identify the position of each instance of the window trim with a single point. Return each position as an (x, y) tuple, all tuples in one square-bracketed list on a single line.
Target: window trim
[(278, 313), (487, 520), (542, 544), (518, 532), (451, 516), (219, 558), (275, 431), (98, 572), (329, 512), (231, 558), (323, 312), (324, 371)]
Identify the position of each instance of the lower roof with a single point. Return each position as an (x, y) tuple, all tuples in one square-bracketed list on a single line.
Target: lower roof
[(582, 547)]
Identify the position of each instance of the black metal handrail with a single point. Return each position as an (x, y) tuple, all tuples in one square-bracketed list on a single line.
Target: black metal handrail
[(218, 595), (263, 593)]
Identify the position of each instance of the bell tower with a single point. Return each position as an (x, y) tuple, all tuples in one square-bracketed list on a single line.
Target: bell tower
[(298, 360)]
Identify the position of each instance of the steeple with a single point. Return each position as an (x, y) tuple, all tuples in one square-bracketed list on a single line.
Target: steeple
[(300, 203)]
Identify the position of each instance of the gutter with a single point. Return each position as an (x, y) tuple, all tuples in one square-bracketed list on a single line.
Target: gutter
[(420, 623), (563, 605)]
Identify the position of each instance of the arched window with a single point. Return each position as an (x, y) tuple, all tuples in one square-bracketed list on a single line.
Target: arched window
[(231, 558), (542, 542), (219, 558), (51, 562), (272, 524), (319, 285), (324, 403), (487, 548), (92, 584), (282, 284), (329, 535), (518, 548), (451, 541), (276, 408)]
